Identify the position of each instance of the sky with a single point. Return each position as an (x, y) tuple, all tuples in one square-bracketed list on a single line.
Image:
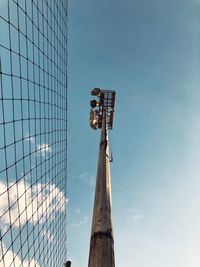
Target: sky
[(148, 51)]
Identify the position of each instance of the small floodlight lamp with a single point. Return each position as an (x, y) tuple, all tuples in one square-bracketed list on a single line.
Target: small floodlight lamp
[(93, 103), (94, 119), (68, 264), (95, 91)]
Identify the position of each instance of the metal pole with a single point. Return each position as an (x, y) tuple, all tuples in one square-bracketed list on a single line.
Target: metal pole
[(102, 243)]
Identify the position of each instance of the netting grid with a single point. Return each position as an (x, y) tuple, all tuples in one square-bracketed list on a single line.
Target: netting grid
[(33, 132)]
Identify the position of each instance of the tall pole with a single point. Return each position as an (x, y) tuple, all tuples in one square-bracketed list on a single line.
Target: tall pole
[(102, 242)]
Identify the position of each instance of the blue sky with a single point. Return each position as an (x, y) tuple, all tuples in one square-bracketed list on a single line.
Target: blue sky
[(148, 51)]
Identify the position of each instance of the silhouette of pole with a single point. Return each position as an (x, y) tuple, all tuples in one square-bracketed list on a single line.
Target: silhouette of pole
[(102, 241)]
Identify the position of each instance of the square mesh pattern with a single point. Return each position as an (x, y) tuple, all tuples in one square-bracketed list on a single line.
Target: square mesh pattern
[(33, 132)]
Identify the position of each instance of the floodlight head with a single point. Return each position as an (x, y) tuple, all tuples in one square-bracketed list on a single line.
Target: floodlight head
[(68, 264), (94, 119), (104, 105), (93, 103), (95, 91)]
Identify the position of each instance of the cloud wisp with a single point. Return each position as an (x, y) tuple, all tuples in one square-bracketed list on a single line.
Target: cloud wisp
[(82, 222), (86, 178), (48, 235), (29, 138), (133, 217), (42, 149), (32, 203), (12, 259)]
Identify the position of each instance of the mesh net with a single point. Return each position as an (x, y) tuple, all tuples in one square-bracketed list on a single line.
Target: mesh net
[(33, 132)]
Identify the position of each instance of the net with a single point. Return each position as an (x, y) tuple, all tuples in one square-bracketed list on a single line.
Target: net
[(33, 132)]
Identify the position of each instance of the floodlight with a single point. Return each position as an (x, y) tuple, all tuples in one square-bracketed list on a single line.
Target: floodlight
[(94, 121), (105, 104), (68, 264), (93, 103), (95, 91)]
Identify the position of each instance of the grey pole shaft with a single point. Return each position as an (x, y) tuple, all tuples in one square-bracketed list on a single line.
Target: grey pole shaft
[(102, 243)]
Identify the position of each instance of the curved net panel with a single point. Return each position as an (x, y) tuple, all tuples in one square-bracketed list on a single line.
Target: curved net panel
[(33, 132)]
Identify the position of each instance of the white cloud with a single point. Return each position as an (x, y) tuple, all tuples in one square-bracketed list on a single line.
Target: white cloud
[(35, 203), (137, 217), (86, 178), (43, 149), (83, 221), (133, 217), (11, 259), (29, 138), (83, 175), (49, 236), (3, 229)]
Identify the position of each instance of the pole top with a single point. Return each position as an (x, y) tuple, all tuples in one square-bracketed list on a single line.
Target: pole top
[(105, 103)]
